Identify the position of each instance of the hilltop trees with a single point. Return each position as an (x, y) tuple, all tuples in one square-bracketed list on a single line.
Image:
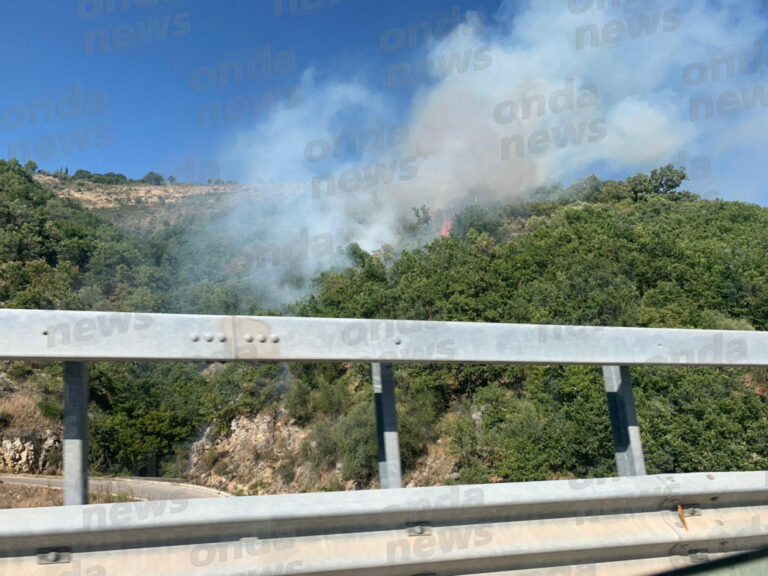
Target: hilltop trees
[(153, 178), (660, 181), (110, 178)]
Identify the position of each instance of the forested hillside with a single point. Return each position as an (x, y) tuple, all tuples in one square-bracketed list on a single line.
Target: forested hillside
[(632, 253)]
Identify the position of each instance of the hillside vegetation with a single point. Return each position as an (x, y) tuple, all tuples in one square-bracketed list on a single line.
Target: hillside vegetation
[(632, 253)]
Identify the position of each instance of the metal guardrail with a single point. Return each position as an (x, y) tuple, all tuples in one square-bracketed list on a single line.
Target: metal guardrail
[(80, 337), (615, 526), (92, 336)]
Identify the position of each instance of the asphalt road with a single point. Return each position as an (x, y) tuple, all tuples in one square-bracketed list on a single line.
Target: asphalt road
[(139, 488)]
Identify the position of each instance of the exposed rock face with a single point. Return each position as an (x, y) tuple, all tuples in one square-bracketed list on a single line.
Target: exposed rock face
[(262, 455), (38, 454), (248, 458), (5, 384)]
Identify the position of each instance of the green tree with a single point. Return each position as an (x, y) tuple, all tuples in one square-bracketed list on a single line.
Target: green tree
[(153, 178), (667, 179), (475, 217), (660, 181)]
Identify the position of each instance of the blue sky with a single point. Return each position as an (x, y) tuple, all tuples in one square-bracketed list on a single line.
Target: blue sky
[(150, 120), (137, 85)]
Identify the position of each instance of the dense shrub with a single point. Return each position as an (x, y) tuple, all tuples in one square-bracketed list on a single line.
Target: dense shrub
[(639, 252)]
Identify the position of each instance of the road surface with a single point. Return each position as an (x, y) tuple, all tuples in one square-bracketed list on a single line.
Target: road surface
[(138, 488)]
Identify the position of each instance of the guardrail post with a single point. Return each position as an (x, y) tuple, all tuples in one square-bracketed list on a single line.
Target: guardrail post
[(626, 433), (386, 425), (75, 433)]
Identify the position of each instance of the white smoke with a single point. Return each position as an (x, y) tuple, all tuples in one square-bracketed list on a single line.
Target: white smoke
[(537, 102)]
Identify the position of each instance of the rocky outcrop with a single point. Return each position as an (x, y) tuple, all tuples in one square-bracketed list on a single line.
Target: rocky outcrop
[(5, 383), (260, 455), (263, 454), (38, 454)]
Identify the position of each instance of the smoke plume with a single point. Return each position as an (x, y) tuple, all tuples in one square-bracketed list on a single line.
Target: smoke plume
[(504, 103)]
